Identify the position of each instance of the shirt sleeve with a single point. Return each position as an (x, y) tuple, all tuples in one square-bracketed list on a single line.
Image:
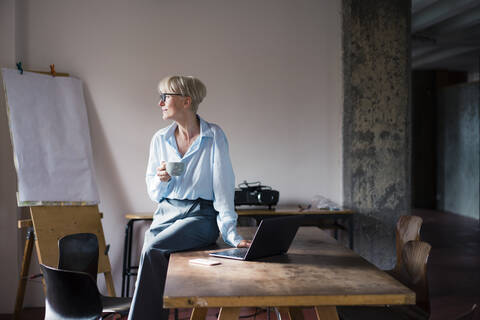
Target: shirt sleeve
[(224, 190), (156, 188)]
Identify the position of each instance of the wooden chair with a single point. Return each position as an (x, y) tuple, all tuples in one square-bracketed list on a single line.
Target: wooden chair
[(470, 314), (407, 229), (412, 272)]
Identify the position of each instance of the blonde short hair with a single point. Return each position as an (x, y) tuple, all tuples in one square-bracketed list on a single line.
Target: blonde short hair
[(187, 86)]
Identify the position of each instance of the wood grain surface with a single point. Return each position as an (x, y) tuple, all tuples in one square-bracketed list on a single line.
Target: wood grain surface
[(53, 222), (259, 211), (245, 211), (317, 271)]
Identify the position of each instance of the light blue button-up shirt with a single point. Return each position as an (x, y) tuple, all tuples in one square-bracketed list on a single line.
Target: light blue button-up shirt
[(208, 174)]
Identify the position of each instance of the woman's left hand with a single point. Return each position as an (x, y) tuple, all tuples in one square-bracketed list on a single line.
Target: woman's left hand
[(244, 244)]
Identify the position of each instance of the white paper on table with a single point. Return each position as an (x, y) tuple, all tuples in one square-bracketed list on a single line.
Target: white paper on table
[(50, 137)]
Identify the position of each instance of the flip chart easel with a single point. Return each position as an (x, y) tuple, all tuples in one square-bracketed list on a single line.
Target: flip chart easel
[(49, 222)]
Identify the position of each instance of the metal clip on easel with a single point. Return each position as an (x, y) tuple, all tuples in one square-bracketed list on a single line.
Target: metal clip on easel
[(52, 70), (19, 67)]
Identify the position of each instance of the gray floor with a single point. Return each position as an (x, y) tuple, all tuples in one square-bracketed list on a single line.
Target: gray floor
[(454, 262)]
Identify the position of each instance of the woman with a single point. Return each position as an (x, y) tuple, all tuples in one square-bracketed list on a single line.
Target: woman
[(193, 207)]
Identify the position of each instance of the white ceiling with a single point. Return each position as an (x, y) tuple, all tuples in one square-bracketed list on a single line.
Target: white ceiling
[(446, 35)]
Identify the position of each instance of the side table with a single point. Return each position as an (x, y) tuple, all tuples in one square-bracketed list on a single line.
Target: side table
[(128, 269)]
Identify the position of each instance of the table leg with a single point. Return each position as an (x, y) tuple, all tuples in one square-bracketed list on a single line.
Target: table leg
[(230, 313), (326, 313), (350, 231), (199, 314), (335, 230), (294, 313), (129, 257), (124, 292)]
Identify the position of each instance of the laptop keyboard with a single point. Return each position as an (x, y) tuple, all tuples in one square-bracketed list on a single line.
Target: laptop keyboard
[(238, 252)]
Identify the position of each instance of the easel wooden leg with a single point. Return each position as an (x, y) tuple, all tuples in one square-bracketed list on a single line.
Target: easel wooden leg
[(27, 256), (109, 284), (199, 314), (230, 313), (326, 313)]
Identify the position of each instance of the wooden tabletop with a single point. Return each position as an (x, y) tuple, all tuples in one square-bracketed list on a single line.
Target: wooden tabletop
[(317, 271), (246, 211)]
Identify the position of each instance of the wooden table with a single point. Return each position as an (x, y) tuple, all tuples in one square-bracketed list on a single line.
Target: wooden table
[(317, 271), (342, 219)]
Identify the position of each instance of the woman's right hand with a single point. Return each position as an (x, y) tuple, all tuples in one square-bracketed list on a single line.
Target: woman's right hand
[(244, 244), (162, 172)]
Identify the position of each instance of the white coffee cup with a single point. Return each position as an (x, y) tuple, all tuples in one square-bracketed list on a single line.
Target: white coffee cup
[(175, 168)]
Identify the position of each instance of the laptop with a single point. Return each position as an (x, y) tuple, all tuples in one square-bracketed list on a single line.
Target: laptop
[(273, 237)]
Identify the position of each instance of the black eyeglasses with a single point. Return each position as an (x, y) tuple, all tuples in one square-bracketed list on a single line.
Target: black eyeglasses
[(163, 96)]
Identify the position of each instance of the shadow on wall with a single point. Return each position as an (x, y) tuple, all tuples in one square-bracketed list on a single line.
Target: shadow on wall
[(108, 181), (105, 168)]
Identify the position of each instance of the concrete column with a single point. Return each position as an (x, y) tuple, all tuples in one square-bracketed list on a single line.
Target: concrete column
[(376, 124)]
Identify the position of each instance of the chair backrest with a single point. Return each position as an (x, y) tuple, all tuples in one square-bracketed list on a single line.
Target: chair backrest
[(70, 295), (469, 315), (413, 271), (408, 228), (79, 252)]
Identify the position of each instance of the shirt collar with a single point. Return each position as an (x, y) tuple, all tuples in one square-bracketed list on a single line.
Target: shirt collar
[(205, 129), (205, 132)]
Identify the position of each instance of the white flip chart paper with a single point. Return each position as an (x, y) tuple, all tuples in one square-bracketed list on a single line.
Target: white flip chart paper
[(51, 139)]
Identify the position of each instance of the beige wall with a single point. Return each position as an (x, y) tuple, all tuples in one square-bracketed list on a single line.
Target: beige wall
[(272, 69)]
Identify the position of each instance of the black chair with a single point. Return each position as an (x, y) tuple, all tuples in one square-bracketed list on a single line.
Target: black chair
[(71, 288), (79, 252), (70, 295)]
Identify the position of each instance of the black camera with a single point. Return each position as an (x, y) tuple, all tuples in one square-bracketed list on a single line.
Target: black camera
[(255, 194)]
